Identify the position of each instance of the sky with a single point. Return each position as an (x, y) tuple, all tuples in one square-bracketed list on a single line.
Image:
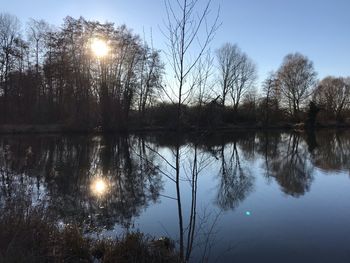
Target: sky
[(266, 30)]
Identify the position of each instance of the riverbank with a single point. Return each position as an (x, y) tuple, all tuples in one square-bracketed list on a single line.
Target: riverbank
[(28, 234), (44, 129)]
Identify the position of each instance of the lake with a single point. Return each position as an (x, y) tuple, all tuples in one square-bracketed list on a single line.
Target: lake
[(241, 196)]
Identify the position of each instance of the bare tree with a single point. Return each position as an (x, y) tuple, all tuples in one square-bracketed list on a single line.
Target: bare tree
[(203, 74), (151, 70), (270, 95), (244, 77), (237, 73), (296, 78), (37, 31), (9, 33), (188, 36), (333, 94), (229, 59)]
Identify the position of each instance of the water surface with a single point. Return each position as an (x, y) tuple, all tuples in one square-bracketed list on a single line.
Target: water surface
[(244, 197)]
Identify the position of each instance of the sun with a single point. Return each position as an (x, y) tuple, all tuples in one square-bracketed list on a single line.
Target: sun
[(99, 187), (99, 47)]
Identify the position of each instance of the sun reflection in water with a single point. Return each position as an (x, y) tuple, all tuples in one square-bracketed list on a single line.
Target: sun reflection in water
[(99, 187)]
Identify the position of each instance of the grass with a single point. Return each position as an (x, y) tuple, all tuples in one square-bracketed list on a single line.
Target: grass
[(29, 234)]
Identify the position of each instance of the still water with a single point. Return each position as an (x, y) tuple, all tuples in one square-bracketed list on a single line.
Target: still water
[(242, 197)]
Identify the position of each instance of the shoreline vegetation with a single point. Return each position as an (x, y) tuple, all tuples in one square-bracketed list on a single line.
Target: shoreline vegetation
[(29, 234), (46, 129), (87, 76)]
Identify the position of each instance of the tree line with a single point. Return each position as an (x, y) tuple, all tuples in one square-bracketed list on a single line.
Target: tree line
[(49, 75)]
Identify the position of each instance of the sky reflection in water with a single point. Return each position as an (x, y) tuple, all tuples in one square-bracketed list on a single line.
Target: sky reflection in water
[(283, 196)]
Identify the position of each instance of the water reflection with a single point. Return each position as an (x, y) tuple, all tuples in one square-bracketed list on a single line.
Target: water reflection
[(333, 151), (99, 187), (107, 181), (64, 169), (287, 159), (236, 181)]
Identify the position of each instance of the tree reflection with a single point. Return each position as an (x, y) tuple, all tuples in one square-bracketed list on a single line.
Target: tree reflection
[(192, 230), (287, 160), (236, 182), (190, 155), (101, 181), (333, 151), (63, 169), (182, 165)]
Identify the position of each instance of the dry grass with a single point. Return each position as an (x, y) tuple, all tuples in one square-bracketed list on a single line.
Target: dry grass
[(28, 234)]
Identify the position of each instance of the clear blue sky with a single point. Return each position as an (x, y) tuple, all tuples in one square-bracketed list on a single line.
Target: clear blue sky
[(266, 30)]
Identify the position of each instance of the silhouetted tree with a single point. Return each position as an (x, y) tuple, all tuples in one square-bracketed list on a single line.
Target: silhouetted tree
[(296, 78), (333, 95), (270, 96), (237, 73), (229, 59), (9, 34), (183, 31), (75, 87), (151, 70)]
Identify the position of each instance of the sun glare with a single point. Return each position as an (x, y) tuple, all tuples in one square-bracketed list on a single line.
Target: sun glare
[(99, 187), (99, 47)]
